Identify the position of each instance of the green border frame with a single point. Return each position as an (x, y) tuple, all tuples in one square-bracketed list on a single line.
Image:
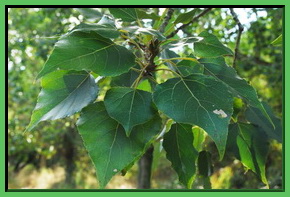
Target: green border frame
[(105, 192)]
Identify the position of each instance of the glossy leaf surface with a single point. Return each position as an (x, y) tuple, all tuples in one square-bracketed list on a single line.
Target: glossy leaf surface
[(250, 146), (178, 144), (105, 139), (218, 68), (199, 100), (129, 106), (125, 80), (188, 67), (255, 116), (63, 94), (89, 51), (106, 31), (210, 46)]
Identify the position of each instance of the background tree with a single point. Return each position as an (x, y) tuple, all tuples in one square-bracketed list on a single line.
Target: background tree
[(257, 60)]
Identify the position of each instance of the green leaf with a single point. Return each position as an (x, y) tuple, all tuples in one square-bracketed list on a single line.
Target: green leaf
[(218, 68), (210, 46), (106, 31), (199, 137), (63, 94), (145, 86), (205, 167), (278, 41), (178, 144), (255, 116), (129, 106), (125, 80), (90, 13), (145, 31), (185, 17), (107, 144), (250, 146), (126, 14), (198, 100), (89, 51), (143, 14), (188, 67)]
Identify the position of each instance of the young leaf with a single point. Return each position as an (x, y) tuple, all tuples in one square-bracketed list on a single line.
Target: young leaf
[(210, 46), (126, 14), (107, 144), (89, 51), (63, 94), (278, 41), (185, 17), (199, 137), (129, 106), (198, 100), (255, 116), (250, 146), (218, 68), (178, 144)]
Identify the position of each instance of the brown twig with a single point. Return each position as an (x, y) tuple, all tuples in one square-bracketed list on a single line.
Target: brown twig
[(192, 21), (240, 30), (166, 19)]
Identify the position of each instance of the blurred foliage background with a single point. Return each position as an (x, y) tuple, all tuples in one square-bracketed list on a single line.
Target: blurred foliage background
[(53, 156)]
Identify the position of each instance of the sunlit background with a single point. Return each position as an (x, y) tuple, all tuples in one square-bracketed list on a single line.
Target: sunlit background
[(53, 156)]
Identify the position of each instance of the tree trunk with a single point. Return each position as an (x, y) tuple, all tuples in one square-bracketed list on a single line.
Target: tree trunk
[(144, 173), (69, 157)]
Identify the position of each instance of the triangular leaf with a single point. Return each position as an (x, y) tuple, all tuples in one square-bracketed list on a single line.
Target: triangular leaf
[(89, 51), (178, 144), (255, 116), (129, 106), (126, 14), (107, 144), (63, 94), (218, 68), (250, 146), (210, 46), (198, 100)]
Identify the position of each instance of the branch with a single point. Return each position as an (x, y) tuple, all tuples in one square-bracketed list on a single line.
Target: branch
[(166, 20), (187, 24), (240, 30)]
